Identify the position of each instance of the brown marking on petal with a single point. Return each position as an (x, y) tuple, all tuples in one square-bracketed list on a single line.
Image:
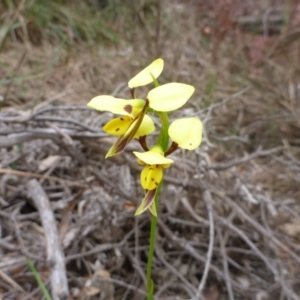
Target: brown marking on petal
[(150, 168), (120, 144), (128, 108), (145, 178), (149, 197), (191, 144), (152, 179), (156, 183), (122, 119), (117, 129), (123, 140)]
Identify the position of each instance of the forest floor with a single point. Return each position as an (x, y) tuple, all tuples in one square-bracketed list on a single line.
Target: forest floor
[(229, 215)]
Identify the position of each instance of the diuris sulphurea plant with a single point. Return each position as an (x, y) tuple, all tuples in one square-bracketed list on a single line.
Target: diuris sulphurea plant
[(133, 122)]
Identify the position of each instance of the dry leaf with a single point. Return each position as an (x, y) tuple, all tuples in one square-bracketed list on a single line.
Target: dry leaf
[(48, 162), (292, 228)]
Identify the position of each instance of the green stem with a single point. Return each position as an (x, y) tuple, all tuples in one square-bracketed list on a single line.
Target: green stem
[(163, 142), (163, 139), (150, 286)]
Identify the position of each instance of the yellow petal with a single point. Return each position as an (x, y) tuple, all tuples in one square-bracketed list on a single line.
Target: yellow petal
[(153, 157), (187, 132), (118, 126), (170, 96), (146, 127), (144, 77), (151, 176), (117, 106), (165, 166), (140, 162), (146, 203), (121, 143)]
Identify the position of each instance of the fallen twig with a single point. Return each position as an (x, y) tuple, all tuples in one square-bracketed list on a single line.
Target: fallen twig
[(43, 133), (34, 175), (258, 153), (207, 200), (55, 256)]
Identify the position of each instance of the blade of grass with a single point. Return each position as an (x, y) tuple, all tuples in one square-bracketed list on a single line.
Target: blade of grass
[(38, 279), (11, 23)]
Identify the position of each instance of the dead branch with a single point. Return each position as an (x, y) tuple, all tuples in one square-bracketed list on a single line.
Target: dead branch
[(261, 229), (43, 133), (160, 253), (258, 153), (207, 200), (193, 252), (27, 174), (225, 263), (55, 256)]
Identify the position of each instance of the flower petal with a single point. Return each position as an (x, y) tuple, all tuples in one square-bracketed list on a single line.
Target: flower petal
[(153, 157), (170, 96), (146, 127), (151, 176), (144, 77), (121, 143), (187, 132), (117, 105), (152, 209), (146, 203), (118, 126)]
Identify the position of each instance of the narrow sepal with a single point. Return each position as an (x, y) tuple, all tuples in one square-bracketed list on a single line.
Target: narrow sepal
[(119, 146), (146, 203), (152, 209)]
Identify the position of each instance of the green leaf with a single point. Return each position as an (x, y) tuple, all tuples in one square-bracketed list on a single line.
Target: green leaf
[(38, 279)]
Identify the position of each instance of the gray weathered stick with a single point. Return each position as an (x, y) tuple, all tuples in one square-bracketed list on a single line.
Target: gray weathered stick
[(43, 133), (55, 257)]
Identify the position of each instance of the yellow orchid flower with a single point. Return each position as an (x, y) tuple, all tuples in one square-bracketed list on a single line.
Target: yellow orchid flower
[(144, 77), (141, 126), (133, 123), (151, 175), (164, 98), (186, 133)]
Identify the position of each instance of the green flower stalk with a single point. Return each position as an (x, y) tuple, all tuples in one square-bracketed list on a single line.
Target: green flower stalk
[(134, 123)]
